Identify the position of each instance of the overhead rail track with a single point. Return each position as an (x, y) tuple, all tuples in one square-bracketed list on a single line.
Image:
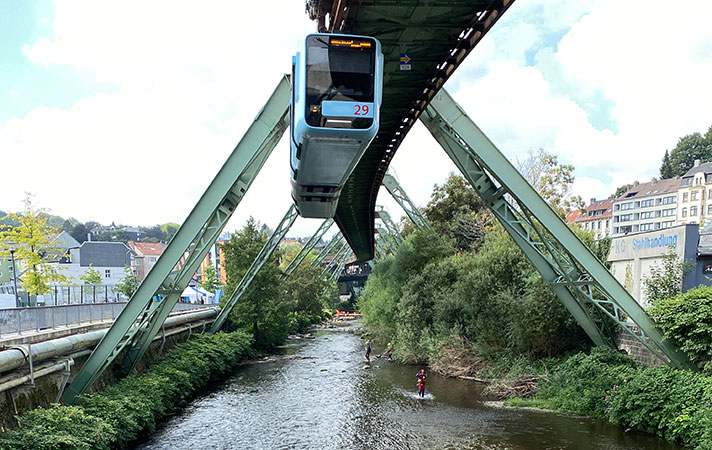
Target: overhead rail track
[(435, 36)]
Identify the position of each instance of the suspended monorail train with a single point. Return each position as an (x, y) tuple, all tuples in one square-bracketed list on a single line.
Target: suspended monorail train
[(334, 111)]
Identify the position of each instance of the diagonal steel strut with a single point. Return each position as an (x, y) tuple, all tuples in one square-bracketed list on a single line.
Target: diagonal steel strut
[(399, 195), (146, 310), (262, 257), (585, 287), (316, 237)]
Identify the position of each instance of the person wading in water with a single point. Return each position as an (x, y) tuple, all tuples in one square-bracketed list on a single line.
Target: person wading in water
[(368, 351), (421, 376)]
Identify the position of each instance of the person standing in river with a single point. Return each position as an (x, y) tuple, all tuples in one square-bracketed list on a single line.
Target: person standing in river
[(421, 376), (368, 351)]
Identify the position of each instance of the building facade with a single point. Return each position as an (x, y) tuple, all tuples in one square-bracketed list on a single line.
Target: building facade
[(596, 217), (144, 256), (646, 207), (633, 255), (694, 195)]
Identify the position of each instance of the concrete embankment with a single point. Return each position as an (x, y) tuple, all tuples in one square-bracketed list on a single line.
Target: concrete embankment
[(34, 374)]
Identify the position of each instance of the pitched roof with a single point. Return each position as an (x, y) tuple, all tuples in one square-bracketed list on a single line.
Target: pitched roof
[(147, 248), (704, 167), (651, 188), (574, 216), (104, 254), (599, 205)]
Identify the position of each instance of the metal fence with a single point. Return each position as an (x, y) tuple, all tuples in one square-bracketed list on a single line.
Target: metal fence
[(19, 320)]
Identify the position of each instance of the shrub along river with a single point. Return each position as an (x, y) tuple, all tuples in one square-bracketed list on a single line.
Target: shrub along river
[(323, 397)]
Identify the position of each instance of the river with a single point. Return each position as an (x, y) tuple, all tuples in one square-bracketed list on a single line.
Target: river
[(325, 398)]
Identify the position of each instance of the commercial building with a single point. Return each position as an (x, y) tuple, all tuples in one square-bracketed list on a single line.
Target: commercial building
[(646, 207), (694, 195), (632, 256)]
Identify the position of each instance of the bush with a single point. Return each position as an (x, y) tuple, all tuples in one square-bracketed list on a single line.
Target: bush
[(118, 415), (671, 403), (582, 383), (686, 319)]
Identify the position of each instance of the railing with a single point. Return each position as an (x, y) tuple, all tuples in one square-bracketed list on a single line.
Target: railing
[(18, 320)]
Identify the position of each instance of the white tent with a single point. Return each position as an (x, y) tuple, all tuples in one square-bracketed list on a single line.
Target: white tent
[(197, 295)]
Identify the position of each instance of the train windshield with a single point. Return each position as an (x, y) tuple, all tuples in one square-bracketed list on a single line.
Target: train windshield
[(339, 69)]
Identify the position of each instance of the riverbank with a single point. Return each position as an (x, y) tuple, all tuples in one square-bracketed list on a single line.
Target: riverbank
[(603, 384), (121, 414)]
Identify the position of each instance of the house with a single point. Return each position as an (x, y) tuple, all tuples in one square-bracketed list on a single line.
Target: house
[(646, 207), (694, 195), (144, 256), (596, 217)]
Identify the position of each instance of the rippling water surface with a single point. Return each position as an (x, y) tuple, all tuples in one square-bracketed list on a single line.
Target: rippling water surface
[(330, 400)]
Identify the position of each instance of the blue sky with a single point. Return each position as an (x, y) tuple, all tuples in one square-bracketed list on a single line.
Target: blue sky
[(125, 111)]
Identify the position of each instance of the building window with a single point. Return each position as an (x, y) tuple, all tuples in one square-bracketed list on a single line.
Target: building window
[(647, 215), (646, 226), (625, 218), (673, 199), (693, 195), (657, 225), (138, 263), (709, 196), (607, 223), (669, 212), (107, 273), (684, 197), (684, 212), (151, 259), (628, 205), (693, 211), (647, 203), (709, 209)]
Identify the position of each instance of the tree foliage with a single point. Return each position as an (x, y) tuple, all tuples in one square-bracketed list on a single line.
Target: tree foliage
[(91, 276), (665, 279), (32, 240), (129, 283), (210, 279), (688, 149), (552, 180)]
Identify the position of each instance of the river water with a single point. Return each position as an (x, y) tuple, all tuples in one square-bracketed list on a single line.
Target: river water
[(328, 399)]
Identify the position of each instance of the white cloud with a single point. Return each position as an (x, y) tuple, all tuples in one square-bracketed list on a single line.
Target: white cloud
[(191, 79)]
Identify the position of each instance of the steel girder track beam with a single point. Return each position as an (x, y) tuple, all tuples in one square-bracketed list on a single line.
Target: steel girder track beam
[(382, 214), (262, 257), (146, 310), (577, 277), (399, 195), (336, 240), (316, 237)]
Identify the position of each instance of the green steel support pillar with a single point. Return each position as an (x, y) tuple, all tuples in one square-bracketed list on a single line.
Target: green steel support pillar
[(382, 214), (316, 237), (262, 257), (387, 240), (343, 248), (146, 310), (582, 283), (399, 195), (335, 241)]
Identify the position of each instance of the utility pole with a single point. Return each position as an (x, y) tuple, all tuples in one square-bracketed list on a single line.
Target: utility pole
[(14, 277)]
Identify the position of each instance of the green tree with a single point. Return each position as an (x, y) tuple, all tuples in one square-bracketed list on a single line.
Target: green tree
[(665, 279), (129, 283), (91, 276), (666, 167), (452, 209), (552, 180), (620, 191), (262, 309), (32, 240), (688, 149), (210, 280)]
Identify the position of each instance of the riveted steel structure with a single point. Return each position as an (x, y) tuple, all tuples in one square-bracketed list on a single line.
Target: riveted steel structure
[(141, 319), (394, 188), (316, 237), (585, 287), (385, 217), (335, 241), (262, 257), (436, 36)]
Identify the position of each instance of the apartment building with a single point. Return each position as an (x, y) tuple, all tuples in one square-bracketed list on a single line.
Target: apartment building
[(694, 196), (646, 207), (597, 217)]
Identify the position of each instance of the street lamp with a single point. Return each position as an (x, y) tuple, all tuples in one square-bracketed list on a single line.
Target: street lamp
[(14, 277)]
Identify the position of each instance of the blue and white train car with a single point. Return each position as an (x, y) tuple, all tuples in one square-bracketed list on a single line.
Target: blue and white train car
[(337, 85)]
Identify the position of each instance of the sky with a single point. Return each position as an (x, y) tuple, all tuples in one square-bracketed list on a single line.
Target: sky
[(124, 111)]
